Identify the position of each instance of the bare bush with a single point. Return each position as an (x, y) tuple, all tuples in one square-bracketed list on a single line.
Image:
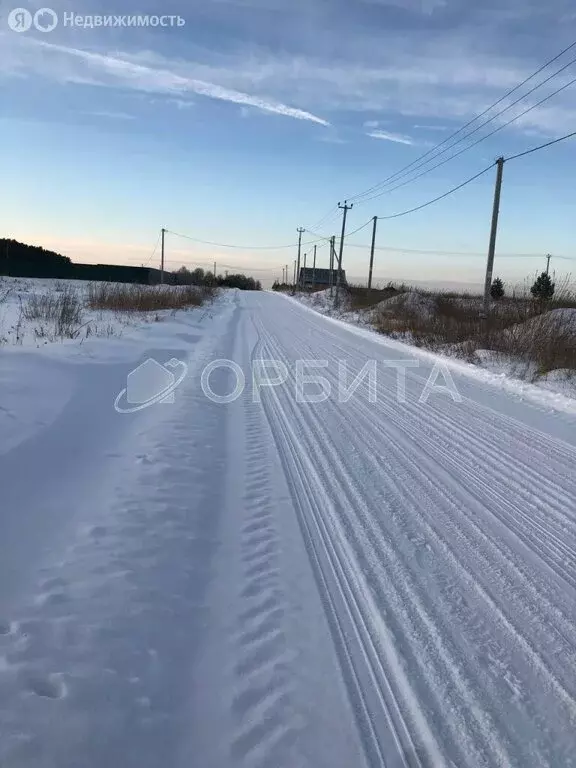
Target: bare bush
[(118, 297), (59, 313), (518, 328), (548, 341)]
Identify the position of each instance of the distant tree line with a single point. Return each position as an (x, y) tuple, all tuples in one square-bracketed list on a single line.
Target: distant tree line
[(13, 253), (21, 260), (199, 276)]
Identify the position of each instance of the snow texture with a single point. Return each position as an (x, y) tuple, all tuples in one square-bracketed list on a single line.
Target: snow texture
[(355, 583)]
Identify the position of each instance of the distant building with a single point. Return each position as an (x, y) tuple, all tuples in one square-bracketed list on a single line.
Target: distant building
[(320, 278)]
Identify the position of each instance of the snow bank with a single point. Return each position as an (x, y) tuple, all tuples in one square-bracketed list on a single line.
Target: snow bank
[(16, 329), (563, 320), (38, 378), (556, 390), (19, 327)]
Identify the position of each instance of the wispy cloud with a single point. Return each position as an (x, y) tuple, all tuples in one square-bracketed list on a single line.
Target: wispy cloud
[(112, 115), (398, 138), (181, 103), (427, 7), (431, 127), (119, 70), (331, 138), (408, 82)]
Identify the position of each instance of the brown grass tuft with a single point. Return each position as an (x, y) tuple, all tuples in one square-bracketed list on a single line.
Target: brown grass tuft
[(119, 297)]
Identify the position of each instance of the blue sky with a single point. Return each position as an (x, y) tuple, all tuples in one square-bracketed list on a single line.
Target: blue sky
[(258, 116)]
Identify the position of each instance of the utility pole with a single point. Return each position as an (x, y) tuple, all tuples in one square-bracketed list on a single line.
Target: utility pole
[(548, 257), (331, 273), (375, 219), (314, 270), (162, 257), (286, 278), (300, 230), (345, 208), (493, 233), (303, 281)]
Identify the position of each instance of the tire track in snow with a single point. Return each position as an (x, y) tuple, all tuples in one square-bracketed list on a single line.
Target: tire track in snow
[(483, 454), (268, 731), (376, 682), (403, 599), (437, 439), (360, 423)]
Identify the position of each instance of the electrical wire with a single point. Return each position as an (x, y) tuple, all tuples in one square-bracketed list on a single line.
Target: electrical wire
[(349, 234), (337, 238), (431, 151), (315, 234), (330, 215), (201, 263), (154, 251), (440, 197), (485, 123), (396, 215), (475, 143), (472, 254), (240, 247), (541, 146)]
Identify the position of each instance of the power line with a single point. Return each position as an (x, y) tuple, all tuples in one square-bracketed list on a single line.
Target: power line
[(240, 247), (225, 266), (474, 143), (542, 146), (487, 122), (359, 228), (439, 252), (154, 251), (434, 149), (327, 237), (316, 234), (440, 197), (332, 213)]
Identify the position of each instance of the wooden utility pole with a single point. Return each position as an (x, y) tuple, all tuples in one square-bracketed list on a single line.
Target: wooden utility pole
[(375, 219), (493, 233), (162, 257), (303, 280), (314, 270), (331, 272), (345, 208), (300, 230), (548, 257)]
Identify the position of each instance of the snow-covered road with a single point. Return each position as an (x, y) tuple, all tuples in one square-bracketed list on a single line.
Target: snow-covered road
[(380, 580)]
